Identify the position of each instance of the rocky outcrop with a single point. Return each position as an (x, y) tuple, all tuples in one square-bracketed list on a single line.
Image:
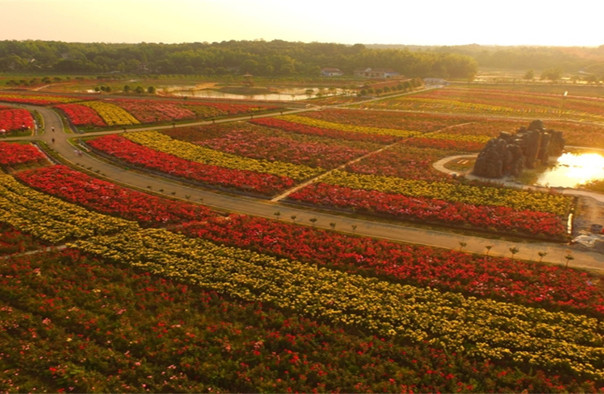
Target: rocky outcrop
[(509, 154)]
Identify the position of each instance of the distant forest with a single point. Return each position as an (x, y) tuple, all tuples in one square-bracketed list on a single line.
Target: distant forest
[(282, 58), (262, 58), (584, 60)]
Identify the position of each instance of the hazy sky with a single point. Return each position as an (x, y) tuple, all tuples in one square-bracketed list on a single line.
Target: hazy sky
[(422, 22)]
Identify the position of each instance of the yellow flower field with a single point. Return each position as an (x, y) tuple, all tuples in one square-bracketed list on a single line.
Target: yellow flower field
[(111, 113), (346, 127)]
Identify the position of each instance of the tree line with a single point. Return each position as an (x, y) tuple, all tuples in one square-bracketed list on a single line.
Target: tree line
[(570, 60), (263, 58)]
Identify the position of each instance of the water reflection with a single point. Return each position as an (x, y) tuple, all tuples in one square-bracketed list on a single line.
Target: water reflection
[(572, 170), (281, 95)]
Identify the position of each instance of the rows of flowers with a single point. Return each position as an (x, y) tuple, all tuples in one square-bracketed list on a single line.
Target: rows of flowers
[(580, 133), (36, 99), (74, 323), (348, 127), (501, 278), (231, 108), (112, 114), (149, 111), (476, 328), (202, 133), (49, 218), (389, 119), (247, 143), (81, 115), (154, 246), (483, 130), (493, 101), (185, 150), (124, 112), (12, 154), (403, 160), (301, 128), (14, 241), (445, 142), (108, 198), (499, 219), (210, 175), (518, 199), (15, 119)]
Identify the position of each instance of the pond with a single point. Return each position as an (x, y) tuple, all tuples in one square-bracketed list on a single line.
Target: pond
[(573, 169), (291, 94)]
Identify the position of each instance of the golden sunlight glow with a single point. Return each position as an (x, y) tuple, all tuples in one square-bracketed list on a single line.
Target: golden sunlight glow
[(574, 169), (427, 22)]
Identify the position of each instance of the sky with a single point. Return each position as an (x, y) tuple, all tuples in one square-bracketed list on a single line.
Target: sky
[(408, 22)]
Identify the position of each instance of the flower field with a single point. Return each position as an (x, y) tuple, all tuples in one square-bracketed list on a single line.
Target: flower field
[(36, 99), (108, 198), (283, 124), (127, 112), (580, 133), (405, 160), (12, 119), (110, 289), (399, 133), (111, 114), (556, 340), (249, 304), (143, 157), (12, 154), (415, 121), (14, 241), (81, 115), (162, 143), (427, 210), (248, 142), (498, 102), (50, 219), (397, 182), (123, 330), (150, 111)]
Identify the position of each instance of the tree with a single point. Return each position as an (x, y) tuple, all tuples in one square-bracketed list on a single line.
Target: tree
[(551, 74), (568, 258), (514, 250), (529, 75), (488, 248), (542, 255)]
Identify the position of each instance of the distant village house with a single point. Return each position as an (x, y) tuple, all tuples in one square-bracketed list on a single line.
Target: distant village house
[(331, 72), (435, 81), (376, 73)]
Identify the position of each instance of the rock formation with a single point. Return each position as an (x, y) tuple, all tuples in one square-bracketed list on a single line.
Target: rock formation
[(509, 154)]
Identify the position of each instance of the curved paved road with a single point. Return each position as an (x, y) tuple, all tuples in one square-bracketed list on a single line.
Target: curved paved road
[(61, 143)]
